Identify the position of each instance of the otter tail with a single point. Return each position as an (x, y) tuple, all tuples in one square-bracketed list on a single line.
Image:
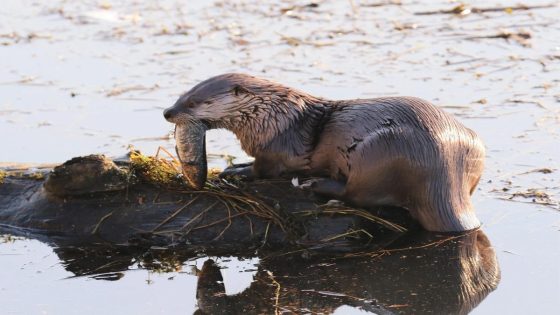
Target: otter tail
[(452, 185)]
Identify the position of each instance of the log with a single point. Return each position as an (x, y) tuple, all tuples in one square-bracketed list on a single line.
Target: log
[(93, 199)]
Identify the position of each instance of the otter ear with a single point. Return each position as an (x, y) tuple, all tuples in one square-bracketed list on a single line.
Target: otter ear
[(238, 89)]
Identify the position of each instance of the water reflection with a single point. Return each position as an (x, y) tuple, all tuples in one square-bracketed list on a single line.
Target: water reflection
[(450, 276), (416, 274)]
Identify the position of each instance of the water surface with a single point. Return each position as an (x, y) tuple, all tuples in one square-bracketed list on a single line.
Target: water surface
[(94, 77)]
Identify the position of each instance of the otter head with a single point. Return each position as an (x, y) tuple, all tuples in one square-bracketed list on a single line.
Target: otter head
[(254, 109), (212, 102), (207, 105)]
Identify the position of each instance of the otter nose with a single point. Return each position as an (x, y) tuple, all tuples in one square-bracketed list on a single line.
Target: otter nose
[(169, 113)]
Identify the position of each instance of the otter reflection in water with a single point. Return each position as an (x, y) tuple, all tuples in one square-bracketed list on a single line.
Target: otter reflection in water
[(451, 277), (419, 273)]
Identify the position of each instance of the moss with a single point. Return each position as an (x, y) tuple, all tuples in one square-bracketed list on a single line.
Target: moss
[(213, 173), (35, 176), (162, 172), (156, 171), (20, 174)]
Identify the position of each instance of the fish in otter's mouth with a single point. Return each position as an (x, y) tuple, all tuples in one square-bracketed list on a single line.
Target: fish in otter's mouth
[(190, 139)]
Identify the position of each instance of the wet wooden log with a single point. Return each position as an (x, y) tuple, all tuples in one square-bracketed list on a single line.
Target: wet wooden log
[(91, 199)]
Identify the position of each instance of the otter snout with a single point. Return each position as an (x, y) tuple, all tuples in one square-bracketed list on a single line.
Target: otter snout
[(170, 113)]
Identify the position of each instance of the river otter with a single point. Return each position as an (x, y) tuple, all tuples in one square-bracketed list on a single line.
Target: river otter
[(400, 151)]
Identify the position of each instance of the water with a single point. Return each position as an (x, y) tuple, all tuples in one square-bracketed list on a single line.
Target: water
[(94, 77)]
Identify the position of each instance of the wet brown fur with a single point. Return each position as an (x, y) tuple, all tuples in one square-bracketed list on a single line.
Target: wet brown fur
[(400, 151)]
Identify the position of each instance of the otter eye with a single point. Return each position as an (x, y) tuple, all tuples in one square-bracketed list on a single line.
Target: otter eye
[(190, 104), (238, 89)]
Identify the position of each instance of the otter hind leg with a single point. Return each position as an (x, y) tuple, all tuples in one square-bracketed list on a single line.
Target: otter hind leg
[(410, 170)]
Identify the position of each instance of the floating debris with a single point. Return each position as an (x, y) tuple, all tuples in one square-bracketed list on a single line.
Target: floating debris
[(539, 170), (381, 4), (537, 195), (121, 90), (294, 41), (521, 37), (465, 9), (404, 26), (291, 9), (528, 101)]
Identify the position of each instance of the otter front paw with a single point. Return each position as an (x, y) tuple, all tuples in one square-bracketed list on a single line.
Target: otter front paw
[(243, 171), (325, 186)]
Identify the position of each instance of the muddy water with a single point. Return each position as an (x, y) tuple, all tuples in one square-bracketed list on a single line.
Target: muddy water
[(94, 76)]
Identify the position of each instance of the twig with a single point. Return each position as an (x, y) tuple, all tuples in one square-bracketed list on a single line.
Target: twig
[(381, 4), (328, 239), (277, 295), (227, 226), (329, 293), (198, 216), (168, 154), (449, 63), (383, 252), (265, 234), (220, 221), (293, 41), (360, 213), (521, 38), (463, 9), (250, 225), (174, 214), (539, 170), (522, 101), (96, 228)]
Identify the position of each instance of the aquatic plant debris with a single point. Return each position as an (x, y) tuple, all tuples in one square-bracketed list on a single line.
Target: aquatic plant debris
[(521, 37), (544, 170), (465, 9), (116, 91), (536, 195)]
